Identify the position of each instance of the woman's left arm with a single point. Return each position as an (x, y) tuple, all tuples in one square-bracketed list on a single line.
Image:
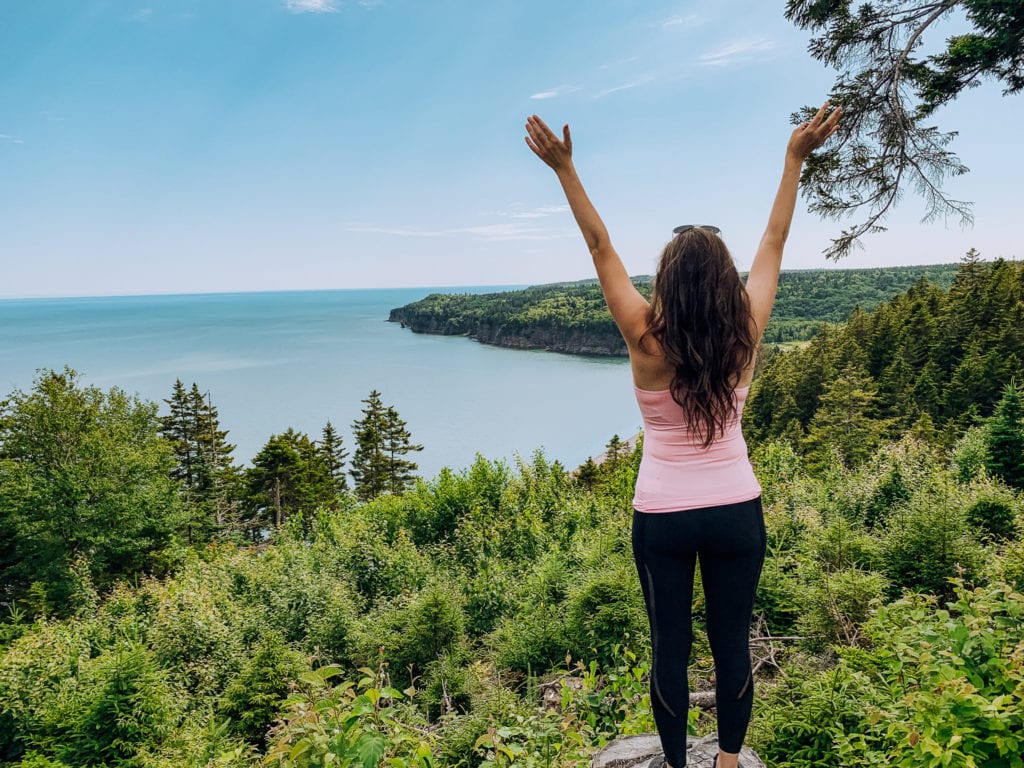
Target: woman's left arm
[(628, 307)]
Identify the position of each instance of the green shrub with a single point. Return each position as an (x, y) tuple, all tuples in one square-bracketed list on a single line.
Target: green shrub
[(348, 725), (835, 604), (118, 704), (995, 517), (970, 454), (934, 687), (412, 632), (446, 684), (488, 597), (1010, 566), (254, 698), (191, 635), (36, 760), (32, 670), (605, 609), (928, 541)]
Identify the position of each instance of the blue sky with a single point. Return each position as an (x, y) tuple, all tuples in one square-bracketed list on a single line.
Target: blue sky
[(166, 146)]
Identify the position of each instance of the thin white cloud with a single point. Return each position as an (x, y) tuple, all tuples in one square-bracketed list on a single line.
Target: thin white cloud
[(625, 86), (12, 139), (737, 51), (310, 6), (679, 21), (490, 232), (555, 92), (540, 212), (142, 14)]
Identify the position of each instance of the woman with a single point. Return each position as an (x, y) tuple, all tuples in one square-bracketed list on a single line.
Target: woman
[(692, 350)]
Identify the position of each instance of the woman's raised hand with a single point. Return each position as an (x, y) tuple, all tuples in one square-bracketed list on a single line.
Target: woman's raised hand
[(810, 135), (547, 146)]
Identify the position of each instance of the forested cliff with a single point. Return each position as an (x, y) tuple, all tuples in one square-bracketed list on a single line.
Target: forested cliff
[(573, 318)]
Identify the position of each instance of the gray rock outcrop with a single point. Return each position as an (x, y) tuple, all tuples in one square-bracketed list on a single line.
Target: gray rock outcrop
[(637, 751)]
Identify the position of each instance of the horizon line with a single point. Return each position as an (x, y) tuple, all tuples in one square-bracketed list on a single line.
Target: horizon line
[(508, 286)]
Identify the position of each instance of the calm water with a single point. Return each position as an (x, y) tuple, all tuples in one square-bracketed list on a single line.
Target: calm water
[(296, 359)]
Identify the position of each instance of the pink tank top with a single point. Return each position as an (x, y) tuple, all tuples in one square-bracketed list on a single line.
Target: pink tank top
[(676, 473)]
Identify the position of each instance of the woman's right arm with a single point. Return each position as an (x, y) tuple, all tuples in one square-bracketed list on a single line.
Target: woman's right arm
[(763, 280)]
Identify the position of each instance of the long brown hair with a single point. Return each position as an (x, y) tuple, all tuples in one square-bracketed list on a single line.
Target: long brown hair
[(700, 315)]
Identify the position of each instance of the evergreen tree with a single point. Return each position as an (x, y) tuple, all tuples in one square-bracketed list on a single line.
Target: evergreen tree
[(204, 464), (334, 455), (397, 444), (370, 464), (845, 420), (889, 90), (588, 474), (382, 442), (178, 428), (1005, 439), (288, 477)]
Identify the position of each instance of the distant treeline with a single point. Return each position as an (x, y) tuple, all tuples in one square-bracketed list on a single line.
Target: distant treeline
[(573, 317)]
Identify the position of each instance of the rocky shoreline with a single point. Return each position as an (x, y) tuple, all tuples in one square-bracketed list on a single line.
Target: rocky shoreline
[(538, 337)]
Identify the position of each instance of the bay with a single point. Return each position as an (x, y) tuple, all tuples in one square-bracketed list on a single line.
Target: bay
[(297, 359)]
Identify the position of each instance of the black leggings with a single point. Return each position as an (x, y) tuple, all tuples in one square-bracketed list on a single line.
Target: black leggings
[(730, 542)]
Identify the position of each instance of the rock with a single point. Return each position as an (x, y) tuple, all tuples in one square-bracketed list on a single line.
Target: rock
[(637, 751)]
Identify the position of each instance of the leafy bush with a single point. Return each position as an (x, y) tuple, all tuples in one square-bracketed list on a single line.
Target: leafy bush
[(119, 704), (348, 725), (32, 671), (995, 516), (253, 699), (605, 609), (934, 687), (412, 632), (191, 633)]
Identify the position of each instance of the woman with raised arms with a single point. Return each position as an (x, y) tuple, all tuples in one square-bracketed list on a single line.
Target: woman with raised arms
[(692, 349)]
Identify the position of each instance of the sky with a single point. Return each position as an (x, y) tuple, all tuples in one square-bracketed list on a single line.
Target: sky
[(181, 146)]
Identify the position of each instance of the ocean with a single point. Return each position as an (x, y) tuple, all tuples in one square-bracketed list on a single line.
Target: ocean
[(297, 359)]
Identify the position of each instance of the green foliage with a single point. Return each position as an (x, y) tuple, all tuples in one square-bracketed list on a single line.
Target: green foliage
[(32, 670), (348, 725), (252, 700), (970, 455), (944, 354), (117, 704), (994, 516), (194, 629), (289, 477), (928, 541), (1004, 441), (845, 420), (604, 609), (83, 474), (412, 632), (334, 454), (595, 704), (934, 687)]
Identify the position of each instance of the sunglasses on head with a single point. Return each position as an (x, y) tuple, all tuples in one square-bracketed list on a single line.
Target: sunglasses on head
[(706, 227)]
